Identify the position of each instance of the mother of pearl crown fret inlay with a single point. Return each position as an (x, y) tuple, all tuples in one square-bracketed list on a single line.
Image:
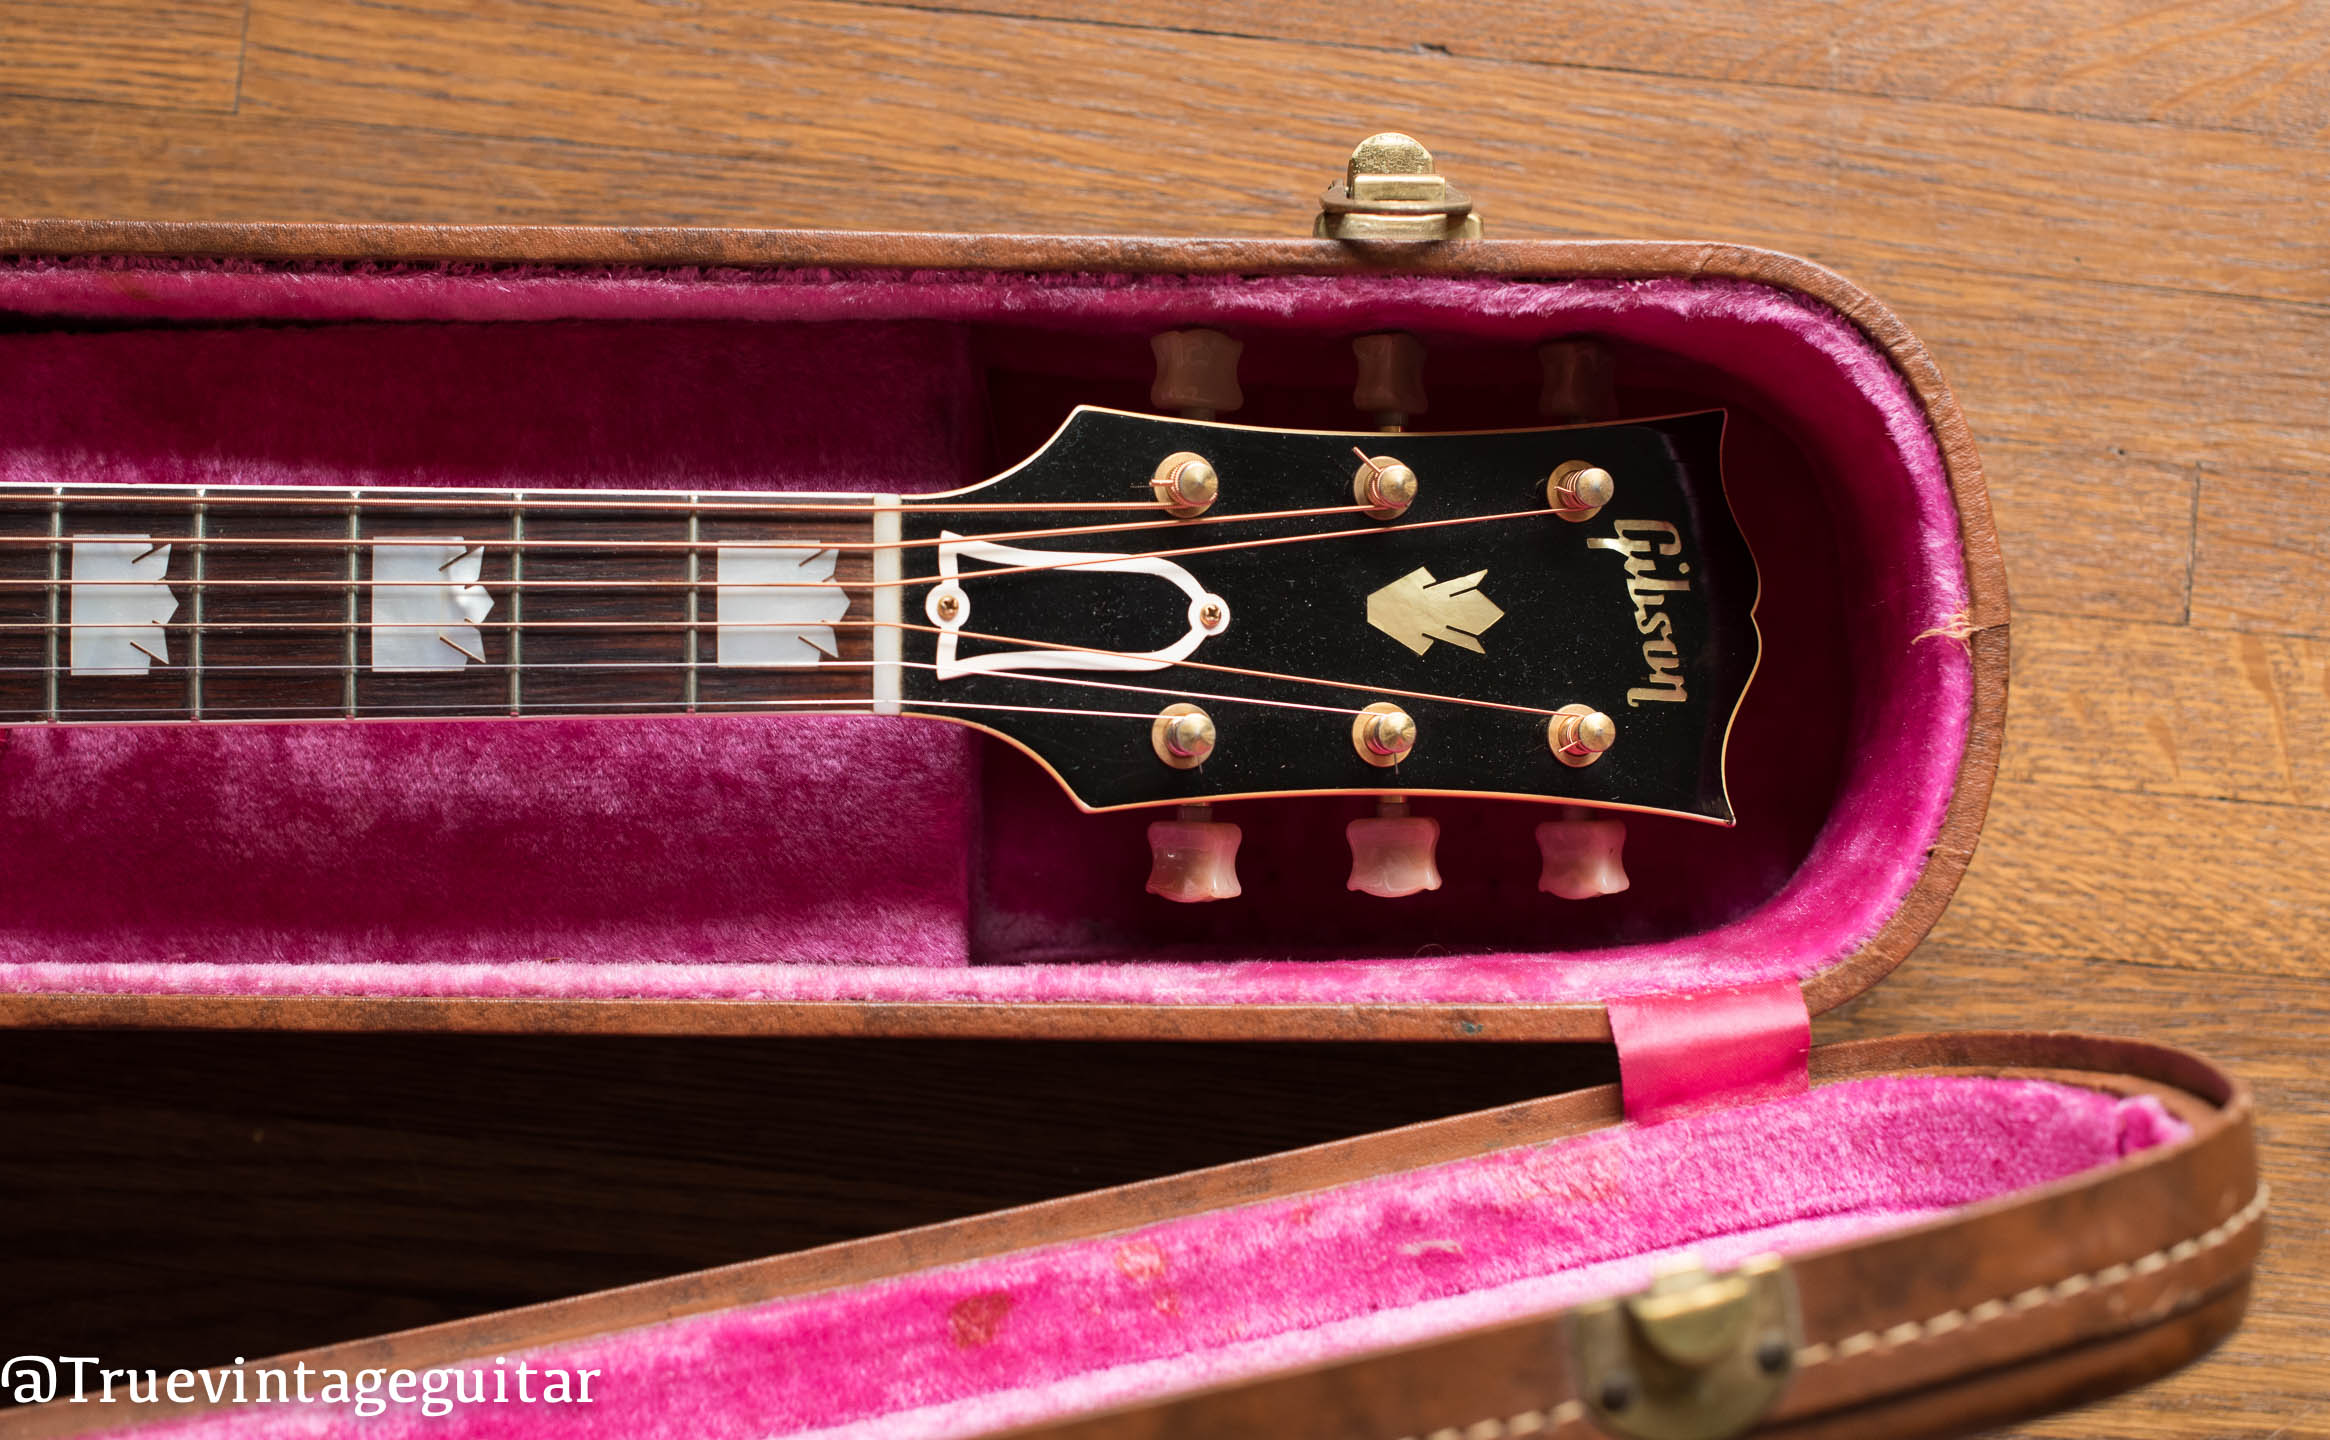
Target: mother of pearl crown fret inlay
[(314, 604)]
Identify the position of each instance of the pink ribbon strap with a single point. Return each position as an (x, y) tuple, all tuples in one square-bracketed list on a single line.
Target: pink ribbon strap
[(1680, 1054)]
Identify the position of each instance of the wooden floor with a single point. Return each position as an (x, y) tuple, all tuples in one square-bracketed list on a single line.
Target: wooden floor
[(2110, 220)]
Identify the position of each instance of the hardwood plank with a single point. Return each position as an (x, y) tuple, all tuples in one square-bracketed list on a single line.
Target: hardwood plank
[(2155, 879), (2270, 1378), (2101, 407), (1075, 114), (2088, 528), (174, 53), (2170, 710), (2213, 64), (2097, 401), (2263, 558)]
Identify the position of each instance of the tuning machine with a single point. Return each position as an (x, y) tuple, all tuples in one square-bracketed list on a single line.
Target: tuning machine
[(1393, 853), (1197, 373), (1580, 381), (1193, 857), (1581, 857)]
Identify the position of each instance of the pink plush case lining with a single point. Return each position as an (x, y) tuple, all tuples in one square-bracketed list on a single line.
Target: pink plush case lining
[(867, 859), (1208, 1298)]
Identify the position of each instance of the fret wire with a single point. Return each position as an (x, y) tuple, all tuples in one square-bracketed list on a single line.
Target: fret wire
[(517, 600), (56, 594), (348, 689), (194, 634), (695, 600)]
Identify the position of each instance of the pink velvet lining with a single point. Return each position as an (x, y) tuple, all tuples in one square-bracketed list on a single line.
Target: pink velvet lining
[(704, 858), (1396, 1259)]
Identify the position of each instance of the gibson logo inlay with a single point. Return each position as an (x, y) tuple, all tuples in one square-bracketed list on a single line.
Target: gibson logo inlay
[(1649, 591)]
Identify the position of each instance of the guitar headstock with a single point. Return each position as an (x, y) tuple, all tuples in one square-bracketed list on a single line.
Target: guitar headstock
[(1559, 614)]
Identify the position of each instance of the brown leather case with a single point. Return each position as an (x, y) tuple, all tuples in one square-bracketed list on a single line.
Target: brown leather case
[(2013, 1307), (2007, 1309)]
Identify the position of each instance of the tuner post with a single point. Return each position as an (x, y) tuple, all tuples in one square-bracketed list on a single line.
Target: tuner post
[(1186, 484), (1577, 490), (1183, 736), (1579, 734), (1382, 486), (1383, 734)]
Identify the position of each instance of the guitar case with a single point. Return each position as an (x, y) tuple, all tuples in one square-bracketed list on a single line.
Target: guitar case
[(1916, 1236)]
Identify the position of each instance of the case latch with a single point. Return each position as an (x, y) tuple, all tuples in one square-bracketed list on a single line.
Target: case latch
[(1697, 1356), (1392, 192)]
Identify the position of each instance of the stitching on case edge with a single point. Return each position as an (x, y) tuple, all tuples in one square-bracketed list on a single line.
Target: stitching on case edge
[(1533, 1422)]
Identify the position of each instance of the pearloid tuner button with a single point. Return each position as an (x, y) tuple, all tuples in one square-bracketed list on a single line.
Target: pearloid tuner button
[(1392, 854), (1581, 858), (1193, 857), (1197, 373)]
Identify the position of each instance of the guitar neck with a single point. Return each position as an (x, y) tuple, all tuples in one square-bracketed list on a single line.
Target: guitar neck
[(150, 603)]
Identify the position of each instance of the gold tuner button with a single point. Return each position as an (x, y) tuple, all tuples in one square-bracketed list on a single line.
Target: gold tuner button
[(1579, 734), (1577, 491), (1183, 736), (1383, 734), (1185, 484), (1382, 486)]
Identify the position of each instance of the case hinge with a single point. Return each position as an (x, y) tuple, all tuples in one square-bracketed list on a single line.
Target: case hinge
[(1392, 192), (1697, 1356)]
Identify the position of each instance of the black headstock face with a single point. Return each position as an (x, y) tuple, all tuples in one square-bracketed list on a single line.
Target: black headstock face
[(1479, 612)]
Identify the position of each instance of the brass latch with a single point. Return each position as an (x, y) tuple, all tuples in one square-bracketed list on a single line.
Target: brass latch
[(1697, 1356), (1391, 192)]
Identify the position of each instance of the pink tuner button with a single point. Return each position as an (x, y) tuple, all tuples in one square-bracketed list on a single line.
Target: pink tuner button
[(1391, 855), (1581, 858), (1193, 859)]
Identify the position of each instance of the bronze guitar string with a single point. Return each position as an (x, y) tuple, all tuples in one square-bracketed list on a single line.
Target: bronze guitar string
[(519, 585), (522, 584)]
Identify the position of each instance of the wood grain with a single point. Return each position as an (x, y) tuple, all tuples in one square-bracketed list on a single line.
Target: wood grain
[(2105, 220), (2171, 710), (2262, 555), (169, 54), (2069, 197), (2155, 880), (2218, 64)]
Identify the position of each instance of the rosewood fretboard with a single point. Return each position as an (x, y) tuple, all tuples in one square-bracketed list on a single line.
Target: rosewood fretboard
[(600, 604)]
